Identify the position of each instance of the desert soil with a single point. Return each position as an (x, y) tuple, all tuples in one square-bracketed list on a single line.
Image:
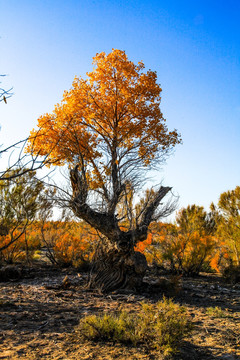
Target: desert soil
[(39, 313)]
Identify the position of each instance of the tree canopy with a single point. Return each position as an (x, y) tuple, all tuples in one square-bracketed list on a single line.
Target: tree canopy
[(195, 218), (110, 124)]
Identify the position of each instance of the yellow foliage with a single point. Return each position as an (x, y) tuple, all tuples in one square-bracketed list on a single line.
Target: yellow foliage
[(17, 251), (183, 252), (70, 243), (70, 250), (117, 107), (141, 246)]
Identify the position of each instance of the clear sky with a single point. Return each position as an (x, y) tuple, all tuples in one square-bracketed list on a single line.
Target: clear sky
[(193, 45)]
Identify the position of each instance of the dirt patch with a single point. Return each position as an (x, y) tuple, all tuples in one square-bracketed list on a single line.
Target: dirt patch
[(38, 314)]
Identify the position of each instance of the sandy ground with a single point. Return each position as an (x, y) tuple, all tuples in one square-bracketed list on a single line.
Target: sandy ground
[(38, 315)]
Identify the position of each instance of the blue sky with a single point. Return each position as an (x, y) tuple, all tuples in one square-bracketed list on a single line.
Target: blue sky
[(193, 45)]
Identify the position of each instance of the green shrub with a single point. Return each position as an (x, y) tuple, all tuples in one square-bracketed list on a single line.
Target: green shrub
[(160, 326), (216, 312)]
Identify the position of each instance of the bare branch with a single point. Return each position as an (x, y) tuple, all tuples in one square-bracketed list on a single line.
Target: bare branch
[(5, 94)]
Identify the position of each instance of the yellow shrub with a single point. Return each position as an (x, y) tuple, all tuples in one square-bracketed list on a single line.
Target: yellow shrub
[(72, 250), (19, 250)]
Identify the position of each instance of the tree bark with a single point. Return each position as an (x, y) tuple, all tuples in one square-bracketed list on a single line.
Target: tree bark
[(115, 270), (115, 265)]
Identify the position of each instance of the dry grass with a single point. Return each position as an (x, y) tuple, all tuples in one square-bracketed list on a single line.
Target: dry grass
[(159, 326), (38, 317)]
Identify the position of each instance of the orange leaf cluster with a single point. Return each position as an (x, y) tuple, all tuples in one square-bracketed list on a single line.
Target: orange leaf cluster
[(142, 245), (117, 107)]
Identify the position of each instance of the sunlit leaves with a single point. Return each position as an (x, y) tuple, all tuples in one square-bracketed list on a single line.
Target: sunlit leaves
[(112, 118), (228, 220), (185, 247)]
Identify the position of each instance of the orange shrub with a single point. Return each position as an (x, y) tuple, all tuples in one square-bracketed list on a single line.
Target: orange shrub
[(142, 245), (220, 258), (66, 243), (182, 252), (23, 248), (72, 250), (69, 243)]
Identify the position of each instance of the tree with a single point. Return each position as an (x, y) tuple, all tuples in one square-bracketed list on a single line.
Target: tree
[(110, 130), (228, 219), (195, 218), (195, 240), (20, 200)]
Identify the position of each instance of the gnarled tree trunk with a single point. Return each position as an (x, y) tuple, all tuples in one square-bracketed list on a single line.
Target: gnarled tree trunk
[(114, 269), (117, 265)]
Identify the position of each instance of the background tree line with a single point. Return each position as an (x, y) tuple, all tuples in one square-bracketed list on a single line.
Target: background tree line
[(197, 241)]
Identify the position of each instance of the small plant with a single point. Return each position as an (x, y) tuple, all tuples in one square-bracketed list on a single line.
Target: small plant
[(216, 312), (159, 326), (37, 255)]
